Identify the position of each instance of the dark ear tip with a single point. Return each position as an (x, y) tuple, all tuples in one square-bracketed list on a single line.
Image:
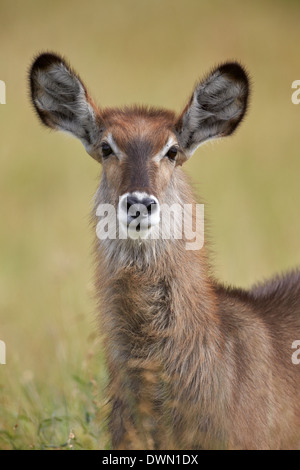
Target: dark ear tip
[(45, 60), (235, 70)]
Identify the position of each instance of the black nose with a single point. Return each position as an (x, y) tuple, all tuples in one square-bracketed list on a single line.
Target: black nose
[(145, 206)]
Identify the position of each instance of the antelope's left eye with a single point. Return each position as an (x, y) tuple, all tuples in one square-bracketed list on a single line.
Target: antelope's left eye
[(106, 149), (172, 152)]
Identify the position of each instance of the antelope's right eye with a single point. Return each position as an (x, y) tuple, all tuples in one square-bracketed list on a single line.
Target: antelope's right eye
[(106, 149), (172, 152)]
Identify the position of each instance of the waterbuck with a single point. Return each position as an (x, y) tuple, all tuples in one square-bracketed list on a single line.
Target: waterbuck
[(192, 364)]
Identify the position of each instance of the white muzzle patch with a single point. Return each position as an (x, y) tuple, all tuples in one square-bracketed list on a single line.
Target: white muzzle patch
[(138, 213)]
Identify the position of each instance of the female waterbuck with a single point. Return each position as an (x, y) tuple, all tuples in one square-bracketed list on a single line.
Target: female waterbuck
[(192, 364)]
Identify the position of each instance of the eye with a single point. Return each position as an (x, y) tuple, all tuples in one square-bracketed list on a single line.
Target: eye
[(106, 149), (172, 152)]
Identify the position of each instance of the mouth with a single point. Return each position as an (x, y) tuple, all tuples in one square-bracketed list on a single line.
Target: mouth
[(139, 229)]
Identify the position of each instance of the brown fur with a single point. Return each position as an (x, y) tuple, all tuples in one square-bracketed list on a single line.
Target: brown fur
[(192, 364)]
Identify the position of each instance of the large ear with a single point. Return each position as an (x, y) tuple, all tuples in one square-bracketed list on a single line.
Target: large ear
[(217, 106), (62, 102)]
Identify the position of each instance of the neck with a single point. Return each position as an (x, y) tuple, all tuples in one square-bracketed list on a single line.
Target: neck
[(159, 316), (156, 284), (158, 278)]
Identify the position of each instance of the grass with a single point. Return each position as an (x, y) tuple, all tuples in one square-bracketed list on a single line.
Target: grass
[(63, 415), (51, 389)]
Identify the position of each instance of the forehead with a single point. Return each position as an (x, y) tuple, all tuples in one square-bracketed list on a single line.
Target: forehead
[(139, 129)]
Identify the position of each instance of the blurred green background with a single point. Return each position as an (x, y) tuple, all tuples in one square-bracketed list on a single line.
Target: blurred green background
[(128, 51)]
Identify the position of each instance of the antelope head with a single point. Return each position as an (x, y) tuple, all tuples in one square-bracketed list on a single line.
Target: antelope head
[(140, 148)]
